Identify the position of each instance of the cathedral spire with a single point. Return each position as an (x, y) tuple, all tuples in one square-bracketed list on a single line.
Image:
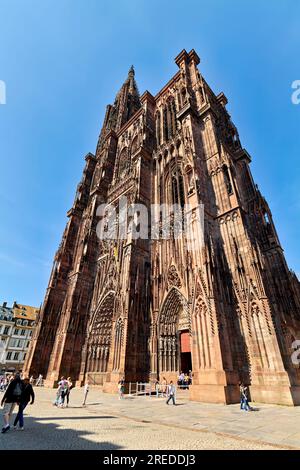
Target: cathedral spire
[(126, 103), (131, 80)]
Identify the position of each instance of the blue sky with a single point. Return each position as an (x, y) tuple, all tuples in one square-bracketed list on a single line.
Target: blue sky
[(63, 61)]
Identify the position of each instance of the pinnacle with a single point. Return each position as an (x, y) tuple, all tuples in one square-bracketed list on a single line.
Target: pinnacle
[(131, 71)]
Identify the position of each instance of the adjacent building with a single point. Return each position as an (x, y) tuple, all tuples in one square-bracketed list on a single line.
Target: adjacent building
[(143, 309), (16, 329), (6, 328)]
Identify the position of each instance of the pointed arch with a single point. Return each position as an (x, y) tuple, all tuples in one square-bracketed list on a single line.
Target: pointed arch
[(100, 335), (124, 162), (174, 317), (135, 145)]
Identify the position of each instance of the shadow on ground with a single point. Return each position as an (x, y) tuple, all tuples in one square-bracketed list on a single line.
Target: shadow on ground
[(50, 436)]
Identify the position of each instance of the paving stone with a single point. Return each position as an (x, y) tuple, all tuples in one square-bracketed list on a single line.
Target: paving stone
[(143, 423)]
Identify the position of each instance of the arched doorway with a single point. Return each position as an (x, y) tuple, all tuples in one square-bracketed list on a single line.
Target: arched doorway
[(174, 336), (100, 340)]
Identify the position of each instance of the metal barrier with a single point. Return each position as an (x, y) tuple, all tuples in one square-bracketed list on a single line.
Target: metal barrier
[(38, 383), (140, 388), (151, 388)]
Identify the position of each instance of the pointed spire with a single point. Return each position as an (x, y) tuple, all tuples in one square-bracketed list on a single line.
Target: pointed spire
[(128, 99), (126, 103), (131, 81)]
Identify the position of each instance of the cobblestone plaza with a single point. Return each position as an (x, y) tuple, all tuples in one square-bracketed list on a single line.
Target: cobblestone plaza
[(107, 423)]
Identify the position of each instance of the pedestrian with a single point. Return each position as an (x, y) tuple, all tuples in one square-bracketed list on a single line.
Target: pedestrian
[(157, 388), (11, 398), (58, 397), (247, 407), (26, 397), (164, 387), (2, 383), (242, 394), (121, 388), (70, 386), (180, 380), (171, 390), (39, 381), (85, 392), (63, 384)]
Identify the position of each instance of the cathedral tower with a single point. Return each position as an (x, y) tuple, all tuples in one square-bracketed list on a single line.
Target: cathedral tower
[(145, 307)]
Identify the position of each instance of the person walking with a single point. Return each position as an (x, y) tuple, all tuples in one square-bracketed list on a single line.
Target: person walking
[(164, 387), (171, 390), (59, 393), (121, 388), (157, 388), (26, 397), (63, 384), (39, 381), (70, 386), (11, 398), (2, 383), (247, 407), (242, 395)]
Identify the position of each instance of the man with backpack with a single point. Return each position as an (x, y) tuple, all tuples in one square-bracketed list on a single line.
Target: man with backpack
[(11, 398), (26, 397)]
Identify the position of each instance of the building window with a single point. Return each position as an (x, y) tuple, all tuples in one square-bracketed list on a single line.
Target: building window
[(25, 322), (12, 342), (165, 125), (124, 162), (27, 344), (177, 188), (30, 333), (8, 357), (19, 322), (23, 332), (158, 128), (24, 357), (16, 332), (227, 179), (16, 356), (6, 330)]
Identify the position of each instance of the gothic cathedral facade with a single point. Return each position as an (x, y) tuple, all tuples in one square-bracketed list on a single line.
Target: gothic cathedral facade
[(143, 308)]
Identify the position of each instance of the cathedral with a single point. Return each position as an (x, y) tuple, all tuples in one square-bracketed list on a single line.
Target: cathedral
[(144, 308)]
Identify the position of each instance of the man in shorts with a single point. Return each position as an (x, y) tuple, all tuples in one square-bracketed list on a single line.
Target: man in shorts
[(11, 398)]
